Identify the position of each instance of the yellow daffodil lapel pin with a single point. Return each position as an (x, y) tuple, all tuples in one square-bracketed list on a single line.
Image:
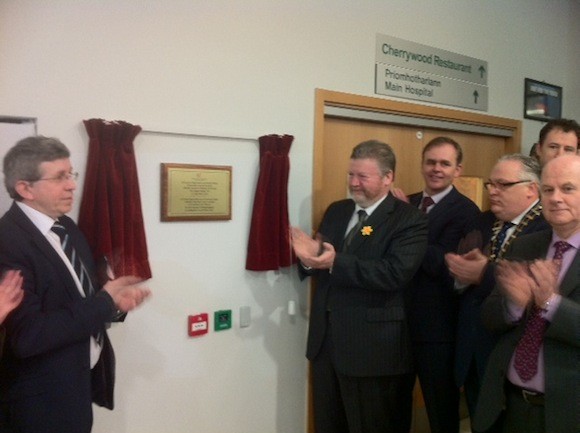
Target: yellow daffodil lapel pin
[(366, 230)]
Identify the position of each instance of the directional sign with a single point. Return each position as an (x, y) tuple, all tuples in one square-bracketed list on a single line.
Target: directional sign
[(406, 83), (406, 54), (414, 71)]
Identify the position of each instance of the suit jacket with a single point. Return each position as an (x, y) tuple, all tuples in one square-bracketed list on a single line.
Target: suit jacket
[(46, 358), (474, 341), (362, 296), (432, 301), (561, 346)]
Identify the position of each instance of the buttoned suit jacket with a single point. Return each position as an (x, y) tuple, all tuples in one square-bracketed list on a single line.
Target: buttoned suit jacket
[(561, 346), (362, 296), (432, 301), (474, 341), (46, 356)]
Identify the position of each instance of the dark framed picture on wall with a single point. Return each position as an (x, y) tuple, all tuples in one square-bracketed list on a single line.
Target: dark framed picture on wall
[(542, 101)]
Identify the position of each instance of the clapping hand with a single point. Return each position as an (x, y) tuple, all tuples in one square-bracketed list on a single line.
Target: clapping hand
[(126, 292), (11, 292)]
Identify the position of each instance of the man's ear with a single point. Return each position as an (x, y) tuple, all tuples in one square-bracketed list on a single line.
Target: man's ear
[(23, 188)]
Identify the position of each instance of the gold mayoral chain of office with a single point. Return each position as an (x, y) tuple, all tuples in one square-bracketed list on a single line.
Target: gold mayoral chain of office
[(532, 214)]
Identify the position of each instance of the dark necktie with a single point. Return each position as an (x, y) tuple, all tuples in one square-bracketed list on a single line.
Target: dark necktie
[(528, 348), (74, 258), (362, 216), (427, 201), (501, 237)]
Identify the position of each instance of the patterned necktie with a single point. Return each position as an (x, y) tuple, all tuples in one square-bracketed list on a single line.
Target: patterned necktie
[(362, 216), (427, 201), (528, 348), (74, 258), (501, 237)]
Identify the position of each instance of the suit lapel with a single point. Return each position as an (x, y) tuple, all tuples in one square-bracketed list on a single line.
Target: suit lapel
[(20, 219), (343, 215), (415, 199), (570, 280), (440, 207)]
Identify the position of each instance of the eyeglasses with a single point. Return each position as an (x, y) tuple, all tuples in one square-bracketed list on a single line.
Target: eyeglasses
[(502, 186), (61, 178)]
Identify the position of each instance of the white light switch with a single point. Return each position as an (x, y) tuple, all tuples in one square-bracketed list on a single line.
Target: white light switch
[(245, 316), (291, 308)]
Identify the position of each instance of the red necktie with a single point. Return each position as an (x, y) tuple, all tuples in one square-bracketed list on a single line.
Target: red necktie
[(427, 201), (528, 348)]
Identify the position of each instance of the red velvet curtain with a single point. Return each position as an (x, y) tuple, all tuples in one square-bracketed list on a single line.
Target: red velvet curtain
[(269, 244), (110, 214)]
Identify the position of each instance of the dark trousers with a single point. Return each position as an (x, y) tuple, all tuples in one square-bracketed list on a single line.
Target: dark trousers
[(346, 404), (521, 416), (434, 366), (471, 388)]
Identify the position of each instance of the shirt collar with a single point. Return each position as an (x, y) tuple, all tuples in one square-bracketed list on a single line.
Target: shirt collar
[(440, 195), (521, 216), (573, 240), (42, 221), (369, 210)]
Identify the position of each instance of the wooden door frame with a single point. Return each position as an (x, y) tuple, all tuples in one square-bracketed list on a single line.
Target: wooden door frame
[(325, 98)]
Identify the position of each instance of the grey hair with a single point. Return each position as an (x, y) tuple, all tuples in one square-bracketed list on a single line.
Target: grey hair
[(379, 151), (22, 161), (530, 167)]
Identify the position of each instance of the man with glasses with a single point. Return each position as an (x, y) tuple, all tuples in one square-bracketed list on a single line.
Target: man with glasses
[(532, 381), (58, 359), (557, 137), (513, 188)]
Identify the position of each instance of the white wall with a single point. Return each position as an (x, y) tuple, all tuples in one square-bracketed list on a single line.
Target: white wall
[(239, 69)]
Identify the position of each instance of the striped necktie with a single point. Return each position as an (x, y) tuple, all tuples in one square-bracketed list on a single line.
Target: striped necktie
[(74, 258)]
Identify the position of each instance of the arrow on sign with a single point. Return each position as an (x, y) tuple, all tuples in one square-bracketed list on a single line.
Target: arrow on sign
[(481, 71), (475, 95)]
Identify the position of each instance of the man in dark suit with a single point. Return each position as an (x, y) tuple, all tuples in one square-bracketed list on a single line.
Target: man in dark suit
[(532, 381), (58, 358), (358, 341), (431, 300), (513, 188)]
